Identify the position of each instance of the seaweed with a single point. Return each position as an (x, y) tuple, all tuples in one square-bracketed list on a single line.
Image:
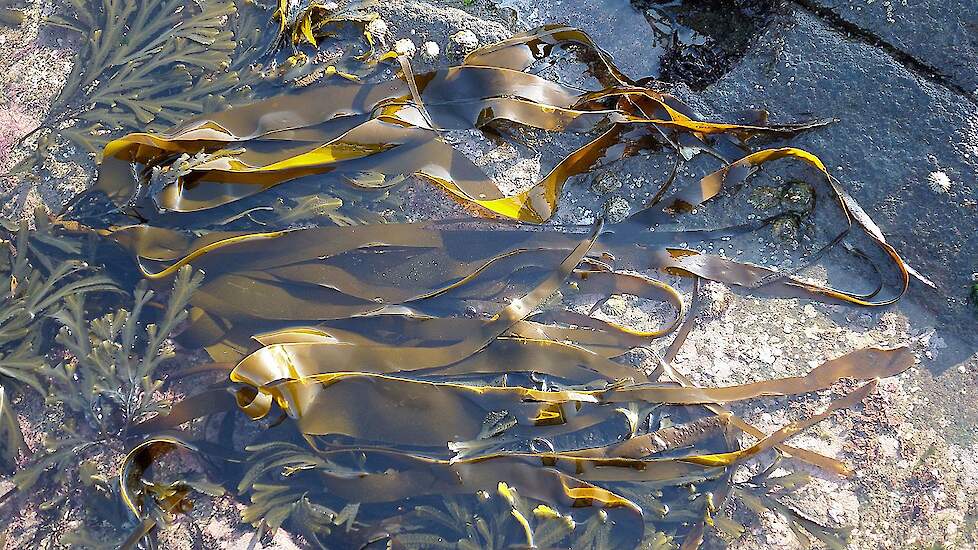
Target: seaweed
[(412, 384), (34, 289), (111, 382), (11, 438), (765, 491), (148, 65)]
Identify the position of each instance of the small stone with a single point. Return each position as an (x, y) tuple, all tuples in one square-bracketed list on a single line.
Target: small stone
[(430, 50), (405, 47), (889, 446), (331, 6), (466, 39), (378, 29)]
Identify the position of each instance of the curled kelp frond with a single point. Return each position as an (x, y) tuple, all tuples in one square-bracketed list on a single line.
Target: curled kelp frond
[(159, 501)]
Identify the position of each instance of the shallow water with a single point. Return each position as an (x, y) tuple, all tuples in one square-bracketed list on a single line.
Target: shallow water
[(358, 380)]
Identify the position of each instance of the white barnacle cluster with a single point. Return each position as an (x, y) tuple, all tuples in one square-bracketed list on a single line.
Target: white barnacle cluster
[(939, 181)]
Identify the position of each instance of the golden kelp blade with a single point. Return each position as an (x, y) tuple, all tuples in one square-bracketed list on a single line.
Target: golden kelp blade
[(391, 390), (392, 406), (394, 126)]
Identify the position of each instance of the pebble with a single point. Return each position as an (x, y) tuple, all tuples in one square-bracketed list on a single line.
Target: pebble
[(405, 47), (889, 446), (466, 39), (430, 50)]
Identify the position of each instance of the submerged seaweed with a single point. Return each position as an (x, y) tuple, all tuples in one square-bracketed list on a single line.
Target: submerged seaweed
[(110, 381), (408, 385), (148, 65)]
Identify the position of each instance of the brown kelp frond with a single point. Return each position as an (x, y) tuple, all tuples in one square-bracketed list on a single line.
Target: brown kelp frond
[(514, 402), (421, 384), (11, 13), (390, 130), (150, 64), (393, 127)]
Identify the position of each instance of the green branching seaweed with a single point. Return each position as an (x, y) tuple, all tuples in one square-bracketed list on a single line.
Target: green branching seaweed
[(765, 492), (111, 382), (11, 438), (147, 65), (277, 500), (115, 373), (32, 295)]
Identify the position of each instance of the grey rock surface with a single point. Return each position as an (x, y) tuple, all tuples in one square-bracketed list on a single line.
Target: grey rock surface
[(941, 34), (897, 133), (611, 23)]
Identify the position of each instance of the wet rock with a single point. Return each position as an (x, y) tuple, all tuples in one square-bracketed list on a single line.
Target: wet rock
[(615, 25), (941, 34), (892, 124)]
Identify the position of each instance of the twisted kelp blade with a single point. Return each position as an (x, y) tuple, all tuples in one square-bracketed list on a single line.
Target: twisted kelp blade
[(263, 281), (392, 130), (558, 479)]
